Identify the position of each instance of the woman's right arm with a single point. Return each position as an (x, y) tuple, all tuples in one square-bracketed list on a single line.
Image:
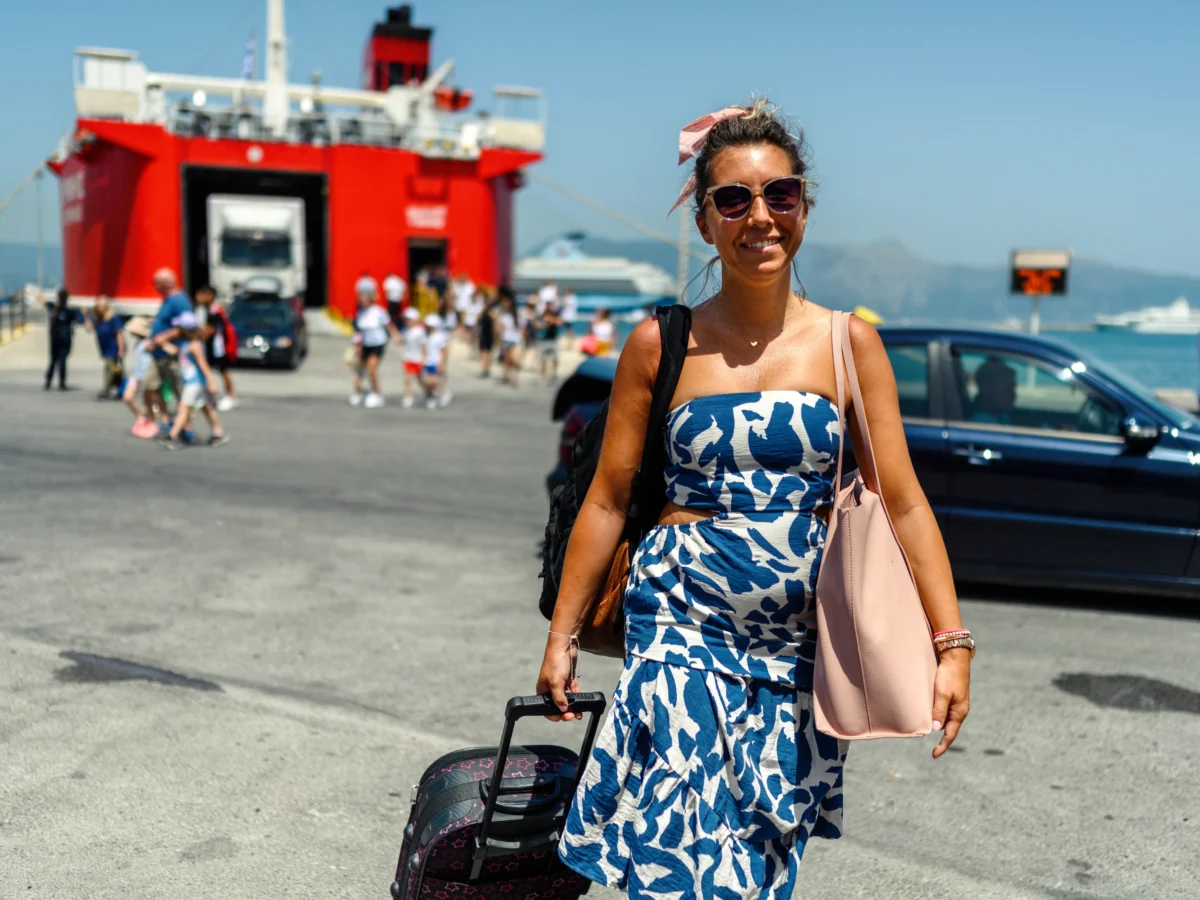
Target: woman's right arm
[(601, 518)]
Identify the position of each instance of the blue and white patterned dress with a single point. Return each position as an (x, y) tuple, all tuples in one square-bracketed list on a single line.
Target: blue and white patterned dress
[(709, 776)]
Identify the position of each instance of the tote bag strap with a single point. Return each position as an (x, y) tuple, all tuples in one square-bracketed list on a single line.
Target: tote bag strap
[(839, 376), (844, 352), (860, 409)]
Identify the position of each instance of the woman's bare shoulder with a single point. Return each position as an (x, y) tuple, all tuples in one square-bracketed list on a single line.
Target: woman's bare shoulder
[(642, 350)]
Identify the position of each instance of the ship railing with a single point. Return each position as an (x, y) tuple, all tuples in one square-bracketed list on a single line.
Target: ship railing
[(13, 316)]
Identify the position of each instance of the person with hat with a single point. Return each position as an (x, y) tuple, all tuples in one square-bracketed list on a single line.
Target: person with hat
[(141, 360), (197, 385)]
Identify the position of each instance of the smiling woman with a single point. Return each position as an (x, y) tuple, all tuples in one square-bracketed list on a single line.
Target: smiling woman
[(709, 775)]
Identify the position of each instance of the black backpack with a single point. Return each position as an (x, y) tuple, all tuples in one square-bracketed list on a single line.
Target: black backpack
[(647, 494)]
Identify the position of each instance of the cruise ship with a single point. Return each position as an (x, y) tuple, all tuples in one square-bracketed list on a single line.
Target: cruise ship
[(1177, 317), (610, 282)]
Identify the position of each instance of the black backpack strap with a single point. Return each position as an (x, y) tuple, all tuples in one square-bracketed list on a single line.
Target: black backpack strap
[(674, 329)]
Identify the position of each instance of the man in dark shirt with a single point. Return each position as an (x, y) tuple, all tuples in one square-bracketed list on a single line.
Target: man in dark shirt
[(109, 329), (61, 322)]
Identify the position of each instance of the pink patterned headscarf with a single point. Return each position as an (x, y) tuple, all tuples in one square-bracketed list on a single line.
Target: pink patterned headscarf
[(692, 138)]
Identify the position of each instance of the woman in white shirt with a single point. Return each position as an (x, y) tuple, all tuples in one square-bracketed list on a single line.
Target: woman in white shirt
[(603, 331), (511, 337), (372, 330)]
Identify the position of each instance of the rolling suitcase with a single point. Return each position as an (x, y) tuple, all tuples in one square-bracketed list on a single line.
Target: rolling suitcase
[(485, 821)]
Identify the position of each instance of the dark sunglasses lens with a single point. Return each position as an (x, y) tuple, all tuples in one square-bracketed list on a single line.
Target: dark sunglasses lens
[(784, 195), (732, 201)]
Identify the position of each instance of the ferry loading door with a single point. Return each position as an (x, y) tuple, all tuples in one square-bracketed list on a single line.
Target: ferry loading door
[(201, 181)]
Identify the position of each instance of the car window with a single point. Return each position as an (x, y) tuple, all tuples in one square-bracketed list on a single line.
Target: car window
[(910, 363), (1006, 389)]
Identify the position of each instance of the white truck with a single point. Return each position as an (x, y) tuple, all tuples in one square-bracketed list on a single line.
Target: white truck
[(250, 236)]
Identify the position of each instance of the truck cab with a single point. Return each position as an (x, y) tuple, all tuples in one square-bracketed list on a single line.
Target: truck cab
[(256, 236)]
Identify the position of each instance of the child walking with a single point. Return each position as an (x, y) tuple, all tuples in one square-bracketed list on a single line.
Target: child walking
[(437, 344), (197, 386), (415, 338)]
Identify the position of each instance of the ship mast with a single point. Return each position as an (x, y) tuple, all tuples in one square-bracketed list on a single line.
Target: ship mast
[(275, 98)]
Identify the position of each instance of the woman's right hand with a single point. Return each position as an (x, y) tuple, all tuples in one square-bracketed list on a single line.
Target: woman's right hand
[(557, 676)]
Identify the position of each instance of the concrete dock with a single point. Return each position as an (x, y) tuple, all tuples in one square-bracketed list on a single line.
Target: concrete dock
[(340, 595)]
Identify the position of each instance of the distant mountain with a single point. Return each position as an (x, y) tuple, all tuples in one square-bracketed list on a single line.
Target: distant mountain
[(18, 264), (898, 284)]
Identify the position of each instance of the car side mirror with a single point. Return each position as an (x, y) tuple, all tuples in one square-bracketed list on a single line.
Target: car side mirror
[(1139, 434)]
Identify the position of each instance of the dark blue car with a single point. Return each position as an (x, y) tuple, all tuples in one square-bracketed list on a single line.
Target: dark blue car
[(1043, 466)]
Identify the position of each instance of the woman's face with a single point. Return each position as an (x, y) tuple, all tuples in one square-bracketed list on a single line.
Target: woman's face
[(758, 247)]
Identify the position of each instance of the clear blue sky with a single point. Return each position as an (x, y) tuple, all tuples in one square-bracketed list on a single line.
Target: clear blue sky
[(961, 129)]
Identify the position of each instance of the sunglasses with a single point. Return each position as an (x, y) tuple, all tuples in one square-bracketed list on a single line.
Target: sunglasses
[(733, 201)]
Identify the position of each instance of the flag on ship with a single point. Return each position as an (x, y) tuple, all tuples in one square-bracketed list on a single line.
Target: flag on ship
[(248, 59)]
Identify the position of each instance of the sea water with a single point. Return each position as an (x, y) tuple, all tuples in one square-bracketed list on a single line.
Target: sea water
[(1156, 360)]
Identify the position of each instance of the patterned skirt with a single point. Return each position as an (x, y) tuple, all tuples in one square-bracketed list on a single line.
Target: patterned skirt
[(703, 785)]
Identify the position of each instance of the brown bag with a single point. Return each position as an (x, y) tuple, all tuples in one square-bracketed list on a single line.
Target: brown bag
[(603, 631)]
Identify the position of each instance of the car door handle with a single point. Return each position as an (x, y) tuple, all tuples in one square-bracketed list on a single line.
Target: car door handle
[(979, 456)]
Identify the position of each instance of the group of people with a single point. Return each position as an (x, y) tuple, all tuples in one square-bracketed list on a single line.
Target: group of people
[(166, 369), (500, 330)]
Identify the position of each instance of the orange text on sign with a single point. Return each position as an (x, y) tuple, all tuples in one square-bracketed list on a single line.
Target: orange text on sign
[(1038, 281)]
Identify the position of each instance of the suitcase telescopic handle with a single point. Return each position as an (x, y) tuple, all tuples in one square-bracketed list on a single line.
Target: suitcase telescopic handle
[(517, 708)]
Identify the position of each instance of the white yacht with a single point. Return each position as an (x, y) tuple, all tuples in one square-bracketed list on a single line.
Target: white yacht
[(613, 283), (1176, 318)]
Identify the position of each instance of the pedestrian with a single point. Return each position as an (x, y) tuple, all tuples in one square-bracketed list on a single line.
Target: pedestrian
[(372, 330), (528, 315), (511, 337), (414, 355), (220, 343), (547, 294), (108, 328), (548, 328), (708, 776), (163, 335), (569, 311), (463, 290), (439, 280), (61, 322), (437, 346), (394, 290), (471, 318), (486, 331), (198, 385), (140, 401), (603, 331), (365, 285)]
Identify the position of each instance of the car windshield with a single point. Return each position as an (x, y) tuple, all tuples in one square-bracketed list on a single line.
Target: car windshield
[(1177, 417), (256, 249), (248, 314)]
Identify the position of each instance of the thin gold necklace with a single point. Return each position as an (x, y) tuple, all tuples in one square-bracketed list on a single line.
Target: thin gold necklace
[(755, 343)]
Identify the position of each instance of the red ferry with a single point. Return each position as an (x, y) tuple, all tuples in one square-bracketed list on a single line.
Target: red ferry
[(206, 174)]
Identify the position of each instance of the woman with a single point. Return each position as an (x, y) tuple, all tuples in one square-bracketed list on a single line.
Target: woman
[(508, 322), (108, 328), (603, 331), (708, 772), (372, 329), (486, 331)]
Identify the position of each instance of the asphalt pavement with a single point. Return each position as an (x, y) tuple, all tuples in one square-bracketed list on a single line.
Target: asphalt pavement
[(224, 669)]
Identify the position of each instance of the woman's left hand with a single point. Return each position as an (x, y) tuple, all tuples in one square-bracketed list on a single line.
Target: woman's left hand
[(951, 695)]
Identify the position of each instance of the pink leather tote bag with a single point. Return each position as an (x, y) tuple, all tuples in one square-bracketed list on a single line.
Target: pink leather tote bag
[(875, 659)]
